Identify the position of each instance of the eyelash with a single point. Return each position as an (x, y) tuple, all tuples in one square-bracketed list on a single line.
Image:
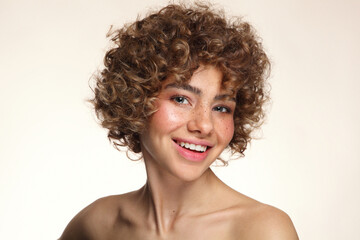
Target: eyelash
[(224, 109), (180, 100)]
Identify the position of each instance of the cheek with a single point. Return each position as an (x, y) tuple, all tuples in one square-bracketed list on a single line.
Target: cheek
[(226, 129), (167, 118)]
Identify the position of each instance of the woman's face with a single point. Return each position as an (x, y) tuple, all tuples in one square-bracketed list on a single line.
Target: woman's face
[(192, 126)]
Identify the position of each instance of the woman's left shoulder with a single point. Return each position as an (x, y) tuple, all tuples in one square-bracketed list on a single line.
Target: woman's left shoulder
[(274, 223), (263, 221)]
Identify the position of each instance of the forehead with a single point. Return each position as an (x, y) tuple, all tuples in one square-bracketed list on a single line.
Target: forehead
[(203, 77), (205, 81)]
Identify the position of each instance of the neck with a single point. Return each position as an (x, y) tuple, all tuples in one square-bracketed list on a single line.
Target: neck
[(169, 198)]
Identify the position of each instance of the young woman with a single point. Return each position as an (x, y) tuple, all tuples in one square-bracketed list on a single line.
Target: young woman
[(179, 87)]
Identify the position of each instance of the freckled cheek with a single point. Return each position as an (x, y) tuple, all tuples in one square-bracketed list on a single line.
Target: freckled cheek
[(226, 128)]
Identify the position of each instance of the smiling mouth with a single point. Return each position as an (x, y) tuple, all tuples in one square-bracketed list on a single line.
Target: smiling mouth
[(192, 147)]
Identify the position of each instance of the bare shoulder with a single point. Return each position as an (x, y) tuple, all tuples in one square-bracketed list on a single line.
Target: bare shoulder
[(262, 221), (272, 223), (96, 220)]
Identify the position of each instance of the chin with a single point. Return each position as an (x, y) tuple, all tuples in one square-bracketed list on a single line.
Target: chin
[(190, 173)]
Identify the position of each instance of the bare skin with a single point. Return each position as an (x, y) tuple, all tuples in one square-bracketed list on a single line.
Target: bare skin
[(225, 215), (183, 198)]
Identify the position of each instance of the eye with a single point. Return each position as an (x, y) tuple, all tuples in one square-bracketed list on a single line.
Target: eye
[(222, 109), (180, 99)]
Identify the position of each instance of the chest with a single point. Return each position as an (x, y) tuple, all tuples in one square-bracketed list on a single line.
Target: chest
[(190, 229)]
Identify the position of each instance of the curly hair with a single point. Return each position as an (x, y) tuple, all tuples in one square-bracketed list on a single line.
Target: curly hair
[(174, 42)]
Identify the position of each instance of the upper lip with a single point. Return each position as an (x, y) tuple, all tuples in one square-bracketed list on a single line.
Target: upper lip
[(196, 142)]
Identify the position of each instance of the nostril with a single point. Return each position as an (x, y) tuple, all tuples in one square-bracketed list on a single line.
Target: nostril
[(200, 127)]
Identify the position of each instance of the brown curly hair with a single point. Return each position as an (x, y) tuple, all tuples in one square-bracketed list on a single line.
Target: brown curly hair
[(174, 42)]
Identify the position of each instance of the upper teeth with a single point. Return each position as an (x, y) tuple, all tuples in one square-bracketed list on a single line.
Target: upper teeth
[(192, 146)]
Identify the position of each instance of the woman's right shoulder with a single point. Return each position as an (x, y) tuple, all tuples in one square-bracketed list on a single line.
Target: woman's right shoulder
[(96, 220)]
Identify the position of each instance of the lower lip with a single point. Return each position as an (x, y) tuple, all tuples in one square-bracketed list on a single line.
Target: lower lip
[(191, 155)]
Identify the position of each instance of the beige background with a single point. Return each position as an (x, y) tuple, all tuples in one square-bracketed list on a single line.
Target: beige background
[(54, 159)]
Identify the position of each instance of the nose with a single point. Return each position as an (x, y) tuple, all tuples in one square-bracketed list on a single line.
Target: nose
[(201, 121)]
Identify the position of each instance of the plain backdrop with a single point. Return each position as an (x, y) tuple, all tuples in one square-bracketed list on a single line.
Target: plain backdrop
[(55, 159)]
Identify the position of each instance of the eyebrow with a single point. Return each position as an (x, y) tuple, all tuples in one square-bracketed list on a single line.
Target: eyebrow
[(186, 87), (197, 91), (225, 97)]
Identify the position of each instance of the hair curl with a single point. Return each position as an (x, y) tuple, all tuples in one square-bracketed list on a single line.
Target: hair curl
[(174, 42)]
